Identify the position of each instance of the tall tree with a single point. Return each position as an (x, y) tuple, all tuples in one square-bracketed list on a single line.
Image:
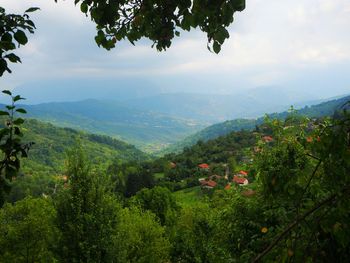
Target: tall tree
[(87, 213)]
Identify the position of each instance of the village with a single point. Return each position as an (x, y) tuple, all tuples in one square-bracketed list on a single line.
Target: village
[(228, 179)]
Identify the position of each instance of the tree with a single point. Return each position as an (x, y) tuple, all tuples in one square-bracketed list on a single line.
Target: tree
[(86, 213), (11, 146), (160, 20), (194, 238), (12, 34), (140, 238), (27, 229), (137, 179), (158, 200)]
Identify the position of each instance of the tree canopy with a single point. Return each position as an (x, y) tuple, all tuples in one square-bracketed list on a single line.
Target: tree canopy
[(157, 20), (160, 20)]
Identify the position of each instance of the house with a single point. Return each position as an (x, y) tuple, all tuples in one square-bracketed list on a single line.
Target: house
[(244, 173), (204, 166), (208, 184), (267, 138), (172, 165), (240, 180)]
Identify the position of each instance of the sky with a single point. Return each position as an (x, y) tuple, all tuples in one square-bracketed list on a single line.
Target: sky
[(300, 46)]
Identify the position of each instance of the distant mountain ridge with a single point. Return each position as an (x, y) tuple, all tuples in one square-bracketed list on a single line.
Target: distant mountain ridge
[(141, 128), (315, 111), (215, 107), (154, 120)]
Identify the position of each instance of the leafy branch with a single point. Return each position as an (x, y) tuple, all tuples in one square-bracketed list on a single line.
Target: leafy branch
[(11, 145), (13, 30), (332, 198)]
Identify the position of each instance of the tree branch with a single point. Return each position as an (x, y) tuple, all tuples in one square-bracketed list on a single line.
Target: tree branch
[(295, 223)]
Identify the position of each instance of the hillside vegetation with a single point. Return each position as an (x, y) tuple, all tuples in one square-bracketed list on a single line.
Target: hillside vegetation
[(150, 131), (224, 200), (51, 143), (315, 111)]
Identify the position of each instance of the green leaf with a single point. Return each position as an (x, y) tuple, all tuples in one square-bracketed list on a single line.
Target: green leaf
[(7, 37), (7, 92), (4, 113), (21, 111), (10, 107), (21, 37), (216, 47), (221, 35), (13, 58), (239, 5), (18, 121), (84, 7), (32, 9), (18, 97)]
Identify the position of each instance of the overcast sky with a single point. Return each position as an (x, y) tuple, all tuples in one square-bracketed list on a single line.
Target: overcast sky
[(300, 45)]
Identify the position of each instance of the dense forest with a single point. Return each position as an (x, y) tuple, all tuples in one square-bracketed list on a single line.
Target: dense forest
[(276, 193)]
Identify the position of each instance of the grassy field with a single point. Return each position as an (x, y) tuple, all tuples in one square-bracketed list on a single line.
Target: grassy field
[(189, 196), (158, 176)]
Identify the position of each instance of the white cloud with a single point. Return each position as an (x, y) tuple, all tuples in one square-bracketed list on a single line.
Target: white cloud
[(270, 41)]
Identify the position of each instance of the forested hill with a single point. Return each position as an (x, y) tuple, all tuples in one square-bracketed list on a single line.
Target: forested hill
[(323, 109), (144, 129), (48, 153)]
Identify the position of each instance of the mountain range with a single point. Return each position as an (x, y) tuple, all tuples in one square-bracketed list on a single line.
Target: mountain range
[(146, 129), (327, 108), (156, 121)]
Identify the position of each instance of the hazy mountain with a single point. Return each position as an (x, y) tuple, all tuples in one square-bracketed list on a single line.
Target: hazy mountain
[(145, 129), (213, 107), (219, 129)]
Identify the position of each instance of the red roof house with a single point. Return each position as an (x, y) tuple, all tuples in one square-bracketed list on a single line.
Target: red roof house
[(267, 138), (203, 166), (208, 184), (240, 180), (244, 173), (211, 183)]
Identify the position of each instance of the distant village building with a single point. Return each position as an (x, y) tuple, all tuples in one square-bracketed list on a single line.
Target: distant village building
[(204, 166), (267, 138), (244, 173), (240, 180), (208, 184)]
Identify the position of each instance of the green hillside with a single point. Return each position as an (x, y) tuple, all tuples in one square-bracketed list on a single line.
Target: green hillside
[(147, 130), (48, 153), (315, 111)]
